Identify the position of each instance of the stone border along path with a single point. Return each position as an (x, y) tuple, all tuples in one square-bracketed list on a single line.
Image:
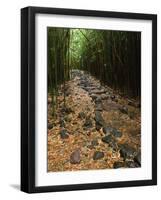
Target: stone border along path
[(103, 108)]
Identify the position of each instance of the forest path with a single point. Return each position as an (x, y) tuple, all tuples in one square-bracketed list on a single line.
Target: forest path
[(97, 128)]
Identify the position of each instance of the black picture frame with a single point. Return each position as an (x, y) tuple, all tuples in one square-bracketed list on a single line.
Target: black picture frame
[(28, 98)]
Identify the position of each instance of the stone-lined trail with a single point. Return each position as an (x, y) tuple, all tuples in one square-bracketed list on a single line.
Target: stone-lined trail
[(96, 129)]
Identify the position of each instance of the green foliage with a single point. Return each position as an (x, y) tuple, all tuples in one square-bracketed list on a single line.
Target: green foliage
[(114, 57), (58, 61), (111, 56)]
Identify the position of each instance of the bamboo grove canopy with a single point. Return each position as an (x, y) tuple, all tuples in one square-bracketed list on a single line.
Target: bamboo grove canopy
[(114, 57)]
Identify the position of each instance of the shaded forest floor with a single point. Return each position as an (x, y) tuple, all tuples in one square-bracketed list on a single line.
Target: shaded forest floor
[(96, 129)]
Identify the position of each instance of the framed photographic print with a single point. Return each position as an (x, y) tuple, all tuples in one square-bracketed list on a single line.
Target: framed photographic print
[(88, 99)]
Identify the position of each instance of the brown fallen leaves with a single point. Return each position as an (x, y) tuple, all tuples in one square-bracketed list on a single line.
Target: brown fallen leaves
[(80, 137)]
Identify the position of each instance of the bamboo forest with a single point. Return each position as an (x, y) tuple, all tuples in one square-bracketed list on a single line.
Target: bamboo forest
[(94, 99)]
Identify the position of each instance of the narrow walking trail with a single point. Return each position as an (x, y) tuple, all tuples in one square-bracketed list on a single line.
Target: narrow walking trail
[(96, 129)]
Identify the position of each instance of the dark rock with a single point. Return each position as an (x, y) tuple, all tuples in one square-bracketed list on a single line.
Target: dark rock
[(64, 134), (131, 164), (137, 158), (62, 123), (104, 96), (99, 119), (66, 110), (98, 155), (111, 142), (88, 123), (116, 133), (107, 139), (98, 107), (117, 165), (98, 99), (94, 142), (124, 109), (113, 145), (126, 151), (98, 127), (93, 96), (81, 115), (86, 84), (67, 93), (107, 130), (90, 88), (83, 82), (50, 126), (112, 97), (75, 157), (85, 88)]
